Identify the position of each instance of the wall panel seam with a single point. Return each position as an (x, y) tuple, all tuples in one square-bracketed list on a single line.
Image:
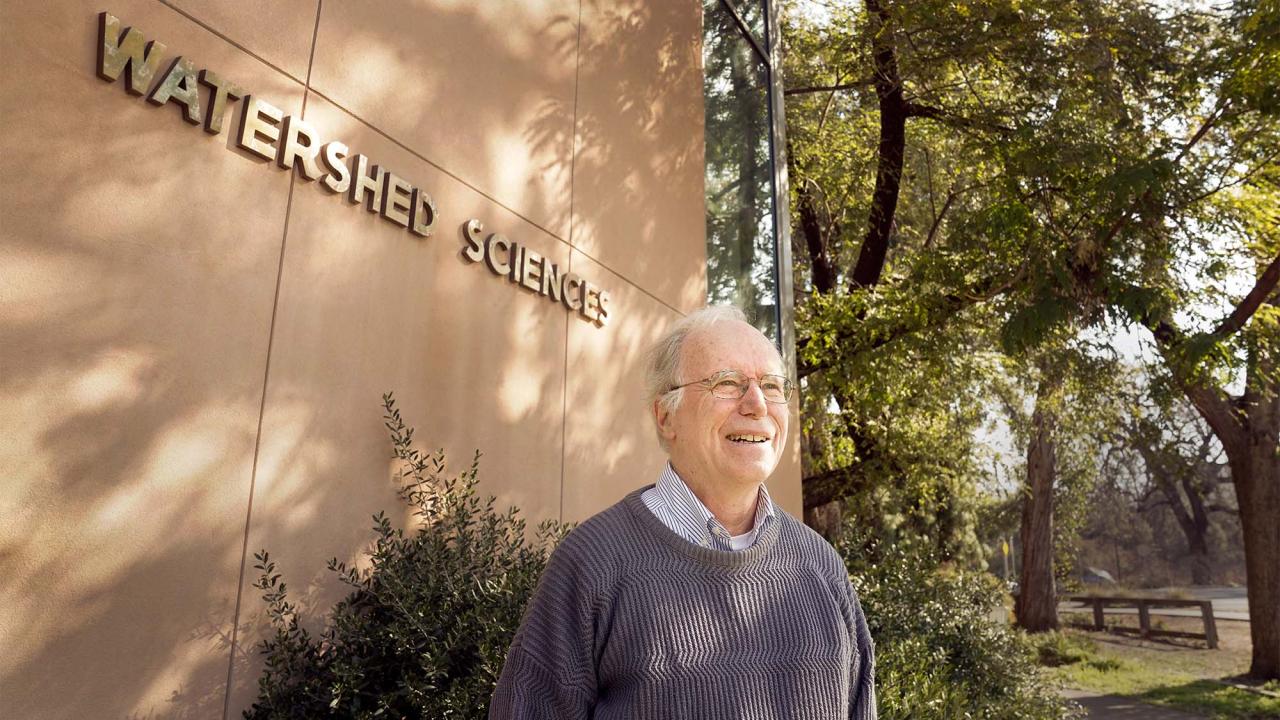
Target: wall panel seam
[(233, 43), (262, 405), (398, 143), (257, 446), (308, 90), (573, 164)]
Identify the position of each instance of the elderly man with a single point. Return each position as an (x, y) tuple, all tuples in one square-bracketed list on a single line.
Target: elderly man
[(697, 597)]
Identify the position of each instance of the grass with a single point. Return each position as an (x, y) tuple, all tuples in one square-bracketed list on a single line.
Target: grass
[(1128, 592), (1178, 674)]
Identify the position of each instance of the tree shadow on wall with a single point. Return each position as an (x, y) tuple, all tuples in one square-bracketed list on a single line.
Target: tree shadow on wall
[(638, 161), (129, 409), (135, 349), (638, 211)]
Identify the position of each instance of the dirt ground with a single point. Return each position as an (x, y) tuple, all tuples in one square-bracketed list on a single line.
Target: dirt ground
[(1192, 657)]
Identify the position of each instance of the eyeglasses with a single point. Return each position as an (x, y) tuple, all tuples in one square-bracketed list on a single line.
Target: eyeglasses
[(733, 385)]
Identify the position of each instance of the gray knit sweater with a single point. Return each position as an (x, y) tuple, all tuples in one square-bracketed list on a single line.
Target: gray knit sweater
[(632, 621)]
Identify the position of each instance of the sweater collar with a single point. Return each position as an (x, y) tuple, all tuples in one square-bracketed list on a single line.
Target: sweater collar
[(765, 540), (694, 522)]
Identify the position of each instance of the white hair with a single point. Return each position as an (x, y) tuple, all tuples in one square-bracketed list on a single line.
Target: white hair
[(663, 361)]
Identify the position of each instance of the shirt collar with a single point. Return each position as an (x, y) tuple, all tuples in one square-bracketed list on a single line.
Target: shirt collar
[(695, 522)]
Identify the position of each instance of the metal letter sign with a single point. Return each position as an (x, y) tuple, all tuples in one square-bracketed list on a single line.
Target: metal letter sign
[(266, 132)]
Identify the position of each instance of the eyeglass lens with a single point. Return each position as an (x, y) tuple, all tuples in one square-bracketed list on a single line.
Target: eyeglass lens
[(734, 385)]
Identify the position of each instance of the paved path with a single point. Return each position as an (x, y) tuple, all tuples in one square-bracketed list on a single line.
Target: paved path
[(1112, 707), (1226, 600)]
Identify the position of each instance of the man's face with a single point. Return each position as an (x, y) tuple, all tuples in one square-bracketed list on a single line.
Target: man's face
[(715, 441)]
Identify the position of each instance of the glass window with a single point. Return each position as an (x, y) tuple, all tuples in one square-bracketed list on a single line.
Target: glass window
[(752, 14), (742, 266)]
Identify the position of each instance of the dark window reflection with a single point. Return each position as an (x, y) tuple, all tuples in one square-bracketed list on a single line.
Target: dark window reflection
[(741, 258), (752, 12)]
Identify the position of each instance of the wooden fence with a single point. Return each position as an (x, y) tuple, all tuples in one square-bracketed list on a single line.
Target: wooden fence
[(1144, 606)]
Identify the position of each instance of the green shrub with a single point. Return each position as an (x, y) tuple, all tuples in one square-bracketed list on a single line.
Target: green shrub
[(1060, 649), (1104, 664), (1055, 649), (426, 628), (940, 653)]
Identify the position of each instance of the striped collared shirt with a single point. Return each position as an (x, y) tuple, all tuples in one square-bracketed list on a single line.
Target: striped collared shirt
[(679, 509)]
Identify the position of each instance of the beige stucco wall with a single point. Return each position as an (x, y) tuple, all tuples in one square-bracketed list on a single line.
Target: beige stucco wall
[(194, 342)]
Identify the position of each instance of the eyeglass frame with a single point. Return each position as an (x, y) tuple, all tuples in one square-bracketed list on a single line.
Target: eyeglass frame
[(788, 387)]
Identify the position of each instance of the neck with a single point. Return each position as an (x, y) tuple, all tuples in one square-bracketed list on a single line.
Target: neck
[(733, 506)]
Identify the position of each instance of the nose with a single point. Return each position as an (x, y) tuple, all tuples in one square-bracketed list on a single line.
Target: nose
[(752, 402)]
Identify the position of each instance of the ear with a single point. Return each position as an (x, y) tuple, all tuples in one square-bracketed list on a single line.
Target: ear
[(662, 416)]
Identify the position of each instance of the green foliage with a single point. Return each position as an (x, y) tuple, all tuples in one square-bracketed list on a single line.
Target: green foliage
[(944, 649), (1256, 66), (1071, 168), (914, 427), (425, 630), (1056, 648)]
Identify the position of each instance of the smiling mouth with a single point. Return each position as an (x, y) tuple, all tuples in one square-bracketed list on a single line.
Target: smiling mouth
[(747, 438)]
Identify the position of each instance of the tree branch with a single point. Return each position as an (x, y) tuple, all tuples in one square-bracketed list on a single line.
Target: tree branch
[(821, 269), (1204, 129), (937, 220), (1266, 283), (949, 118), (945, 307), (890, 153), (828, 485), (810, 89), (1219, 409)]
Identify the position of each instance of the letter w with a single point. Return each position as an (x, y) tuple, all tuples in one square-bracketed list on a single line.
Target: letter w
[(116, 50)]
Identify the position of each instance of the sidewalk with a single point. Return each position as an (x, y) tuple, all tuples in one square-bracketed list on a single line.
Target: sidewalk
[(1113, 707)]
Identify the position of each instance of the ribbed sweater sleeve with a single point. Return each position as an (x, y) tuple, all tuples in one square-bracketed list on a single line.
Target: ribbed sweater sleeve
[(632, 622), (549, 673), (862, 662), (862, 673)]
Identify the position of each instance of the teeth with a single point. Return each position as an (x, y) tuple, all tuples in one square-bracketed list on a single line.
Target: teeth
[(748, 438)]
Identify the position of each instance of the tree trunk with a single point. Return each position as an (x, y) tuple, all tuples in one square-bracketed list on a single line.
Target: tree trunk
[(1259, 491), (1257, 479), (1262, 529), (825, 519), (1249, 429), (1037, 605), (1198, 533), (891, 151), (1200, 561)]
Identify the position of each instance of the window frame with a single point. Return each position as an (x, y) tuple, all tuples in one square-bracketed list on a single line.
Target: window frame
[(769, 52)]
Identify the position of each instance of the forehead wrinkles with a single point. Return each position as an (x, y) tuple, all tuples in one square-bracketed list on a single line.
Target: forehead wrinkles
[(728, 346)]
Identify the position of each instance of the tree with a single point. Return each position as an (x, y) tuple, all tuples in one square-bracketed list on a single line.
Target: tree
[(1180, 457), (1056, 400), (1243, 131), (1034, 166), (1248, 426), (1165, 511)]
